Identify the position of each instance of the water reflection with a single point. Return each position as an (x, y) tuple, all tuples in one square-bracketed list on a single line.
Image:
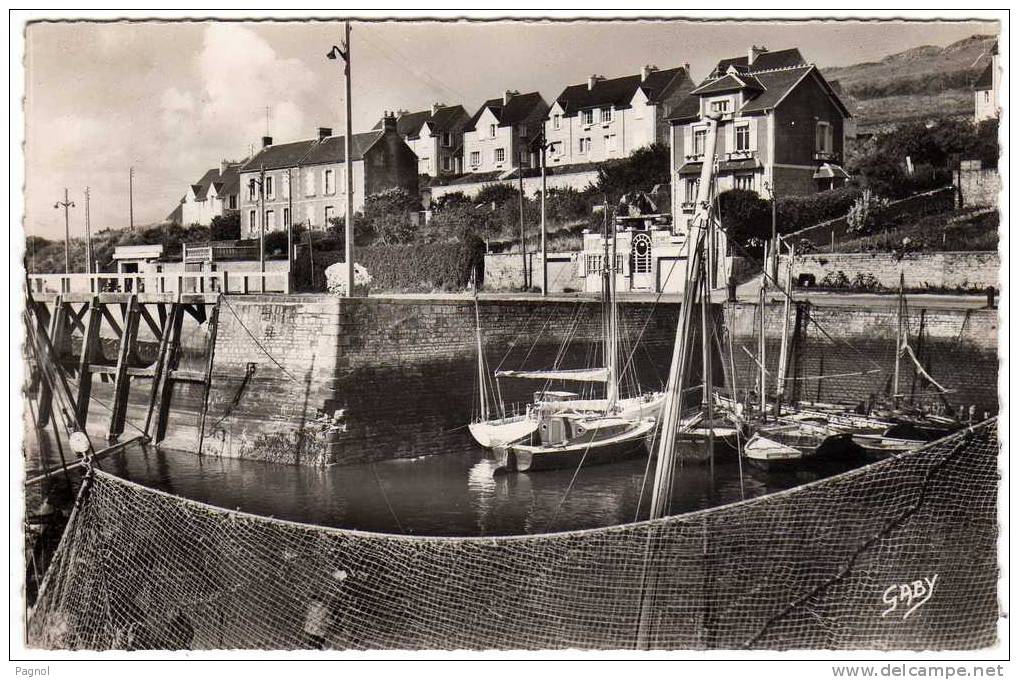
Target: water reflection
[(452, 494)]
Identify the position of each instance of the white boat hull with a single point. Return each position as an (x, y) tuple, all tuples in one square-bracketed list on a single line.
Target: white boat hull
[(492, 433)]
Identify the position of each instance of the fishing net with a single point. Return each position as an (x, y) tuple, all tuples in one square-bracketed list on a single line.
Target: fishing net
[(818, 566)]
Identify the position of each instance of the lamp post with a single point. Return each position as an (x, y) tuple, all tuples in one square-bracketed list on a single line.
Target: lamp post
[(774, 250), (344, 53), (65, 204), (545, 146)]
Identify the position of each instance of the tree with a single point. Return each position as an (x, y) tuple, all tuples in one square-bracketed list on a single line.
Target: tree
[(641, 171), (225, 227), (390, 217), (745, 217)]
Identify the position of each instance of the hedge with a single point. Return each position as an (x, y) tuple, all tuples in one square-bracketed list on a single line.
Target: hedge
[(399, 268)]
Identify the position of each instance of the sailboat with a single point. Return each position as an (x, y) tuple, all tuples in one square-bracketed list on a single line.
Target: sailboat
[(561, 430)]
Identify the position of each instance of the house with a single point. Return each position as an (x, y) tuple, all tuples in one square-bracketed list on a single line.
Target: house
[(216, 193), (435, 136), (781, 129), (499, 136), (603, 119), (305, 181), (985, 90)]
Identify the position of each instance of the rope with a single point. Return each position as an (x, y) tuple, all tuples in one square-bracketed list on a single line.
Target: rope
[(255, 340)]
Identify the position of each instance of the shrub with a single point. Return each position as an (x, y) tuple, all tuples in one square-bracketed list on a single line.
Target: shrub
[(837, 279), (641, 171), (497, 194), (798, 212), (745, 217), (431, 266), (276, 243), (225, 227)]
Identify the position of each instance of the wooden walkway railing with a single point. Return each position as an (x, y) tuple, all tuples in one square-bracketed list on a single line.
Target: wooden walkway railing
[(237, 282)]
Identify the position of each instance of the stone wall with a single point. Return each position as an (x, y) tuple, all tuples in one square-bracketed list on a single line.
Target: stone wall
[(970, 271), (980, 187), (532, 185), (505, 271), (848, 353)]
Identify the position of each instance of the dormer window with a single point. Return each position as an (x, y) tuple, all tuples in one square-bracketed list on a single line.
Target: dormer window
[(606, 115), (720, 106), (557, 121), (587, 117), (447, 139), (522, 129), (491, 131)]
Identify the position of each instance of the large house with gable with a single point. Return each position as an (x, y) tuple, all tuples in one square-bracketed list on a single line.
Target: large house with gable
[(781, 129), (435, 136), (305, 181), (985, 90), (611, 118), (215, 194), (499, 137)]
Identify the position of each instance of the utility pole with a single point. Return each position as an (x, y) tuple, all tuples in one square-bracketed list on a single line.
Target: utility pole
[(523, 235), (261, 220), (88, 236), (130, 197), (545, 146), (344, 53), (65, 204), (290, 221)]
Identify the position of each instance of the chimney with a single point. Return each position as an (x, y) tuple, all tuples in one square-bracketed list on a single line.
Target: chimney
[(389, 121), (755, 52), (324, 132), (507, 95), (266, 141), (647, 71), (592, 80), (436, 107), (686, 67), (224, 165)]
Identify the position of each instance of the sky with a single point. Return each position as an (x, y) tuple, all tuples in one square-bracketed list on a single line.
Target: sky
[(173, 99)]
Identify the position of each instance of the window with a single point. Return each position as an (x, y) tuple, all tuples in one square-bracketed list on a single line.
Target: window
[(424, 165), (447, 163), (270, 220), (251, 189), (447, 139), (691, 190), (641, 254), (606, 115), (286, 217), (823, 137), (525, 157), (557, 121), (587, 117), (232, 202), (500, 155), (610, 142), (309, 184), (699, 139), (270, 192), (720, 106), (522, 129), (594, 263), (491, 131), (585, 144), (329, 181), (328, 214), (285, 183), (745, 182), (475, 159), (987, 96), (251, 221), (743, 137)]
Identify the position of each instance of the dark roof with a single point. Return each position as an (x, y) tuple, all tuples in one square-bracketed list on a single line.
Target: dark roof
[(409, 124), (517, 109), (331, 149), (277, 156), (177, 214), (728, 83), (616, 91), (764, 62), (201, 188), (986, 79), (230, 181)]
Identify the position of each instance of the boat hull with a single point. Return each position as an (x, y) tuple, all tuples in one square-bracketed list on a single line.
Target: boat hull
[(525, 458), (493, 433)]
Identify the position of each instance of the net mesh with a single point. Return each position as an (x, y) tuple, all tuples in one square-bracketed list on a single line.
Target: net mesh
[(812, 567)]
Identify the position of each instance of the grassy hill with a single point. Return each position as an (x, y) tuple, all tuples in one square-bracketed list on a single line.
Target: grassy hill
[(920, 82)]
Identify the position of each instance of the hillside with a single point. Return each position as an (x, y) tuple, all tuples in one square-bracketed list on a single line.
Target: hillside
[(919, 82)]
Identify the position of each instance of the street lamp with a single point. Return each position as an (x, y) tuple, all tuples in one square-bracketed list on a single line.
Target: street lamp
[(544, 146), (344, 53)]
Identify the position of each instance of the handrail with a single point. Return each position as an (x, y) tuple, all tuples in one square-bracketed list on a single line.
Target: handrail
[(226, 281)]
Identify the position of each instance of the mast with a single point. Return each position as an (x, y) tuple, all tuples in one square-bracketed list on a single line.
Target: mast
[(783, 357), (678, 371), (898, 344), (761, 357), (613, 368), (709, 388), (481, 358)]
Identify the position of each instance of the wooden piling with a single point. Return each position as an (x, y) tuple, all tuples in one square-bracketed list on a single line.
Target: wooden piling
[(121, 380), (165, 383), (55, 335), (207, 386), (90, 346)]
